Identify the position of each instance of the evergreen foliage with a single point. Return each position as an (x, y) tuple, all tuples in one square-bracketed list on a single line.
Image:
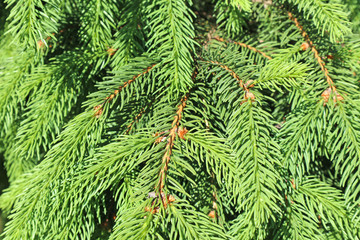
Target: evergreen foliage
[(180, 119)]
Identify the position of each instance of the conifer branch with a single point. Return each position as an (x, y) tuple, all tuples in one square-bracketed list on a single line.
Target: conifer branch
[(314, 196), (31, 22), (175, 130), (172, 36), (99, 108), (326, 16), (316, 53), (45, 111), (9, 98), (231, 15), (254, 161), (244, 46), (62, 156), (98, 22), (130, 37), (169, 146)]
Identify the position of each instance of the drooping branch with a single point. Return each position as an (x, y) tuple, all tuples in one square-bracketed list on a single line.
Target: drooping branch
[(169, 146)]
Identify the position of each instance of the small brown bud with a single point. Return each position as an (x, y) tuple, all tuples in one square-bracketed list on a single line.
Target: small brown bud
[(212, 214), (249, 95), (155, 210), (305, 46), (338, 97), (249, 84), (111, 51), (171, 198), (182, 132), (98, 110), (293, 183), (326, 95), (160, 139), (111, 96), (40, 44)]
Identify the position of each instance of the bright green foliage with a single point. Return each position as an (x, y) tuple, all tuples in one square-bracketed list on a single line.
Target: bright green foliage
[(231, 15), (180, 119), (98, 22), (171, 39), (325, 16), (32, 21)]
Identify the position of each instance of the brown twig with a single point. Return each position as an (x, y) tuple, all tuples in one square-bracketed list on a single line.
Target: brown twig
[(313, 49), (169, 146), (244, 46), (98, 109)]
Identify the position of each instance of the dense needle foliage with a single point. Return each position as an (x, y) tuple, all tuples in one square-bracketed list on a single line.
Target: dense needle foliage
[(180, 119)]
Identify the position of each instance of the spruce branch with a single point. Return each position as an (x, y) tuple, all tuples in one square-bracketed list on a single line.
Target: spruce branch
[(331, 212), (312, 213), (169, 145), (316, 53), (99, 108), (54, 87), (11, 78), (345, 145), (129, 40), (32, 21), (65, 153), (295, 137), (231, 15), (172, 36), (98, 22), (258, 200), (68, 152), (327, 17)]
